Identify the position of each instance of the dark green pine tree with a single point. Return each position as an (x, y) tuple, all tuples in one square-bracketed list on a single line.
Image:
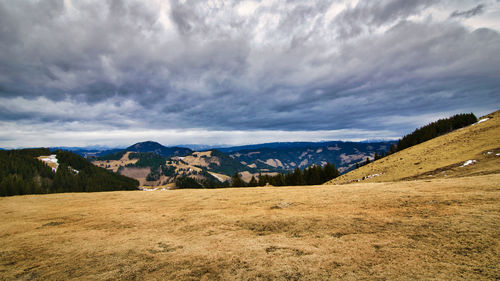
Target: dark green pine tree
[(312, 175), (367, 161), (279, 180), (237, 181), (298, 177), (329, 172), (263, 179), (63, 180), (253, 182)]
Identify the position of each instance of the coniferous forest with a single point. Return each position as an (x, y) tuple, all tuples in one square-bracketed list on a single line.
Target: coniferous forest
[(436, 129), (312, 175), (22, 173)]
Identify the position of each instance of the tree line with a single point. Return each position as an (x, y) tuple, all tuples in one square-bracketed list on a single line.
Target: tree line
[(312, 175), (22, 173), (436, 129)]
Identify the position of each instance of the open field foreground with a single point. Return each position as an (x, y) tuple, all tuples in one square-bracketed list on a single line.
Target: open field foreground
[(435, 229)]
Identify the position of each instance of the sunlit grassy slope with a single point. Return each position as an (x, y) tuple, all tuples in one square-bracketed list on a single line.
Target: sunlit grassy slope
[(440, 157), (439, 229)]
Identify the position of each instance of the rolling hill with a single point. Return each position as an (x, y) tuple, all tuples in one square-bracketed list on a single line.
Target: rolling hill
[(151, 146), (472, 150), (288, 156), (153, 164), (41, 171), (150, 169)]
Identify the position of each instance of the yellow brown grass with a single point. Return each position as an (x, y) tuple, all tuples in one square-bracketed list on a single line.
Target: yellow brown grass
[(114, 165), (435, 229)]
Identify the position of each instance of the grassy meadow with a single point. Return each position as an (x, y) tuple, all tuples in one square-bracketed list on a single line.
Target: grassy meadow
[(415, 230)]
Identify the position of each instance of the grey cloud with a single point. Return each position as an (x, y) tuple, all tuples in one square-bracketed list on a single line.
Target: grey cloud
[(284, 68), (371, 14), (479, 9)]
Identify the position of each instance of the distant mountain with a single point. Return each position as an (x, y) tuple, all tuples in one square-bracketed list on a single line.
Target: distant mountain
[(87, 148), (88, 151), (278, 145), (154, 164), (154, 147), (291, 155), (210, 168), (147, 146), (202, 147)]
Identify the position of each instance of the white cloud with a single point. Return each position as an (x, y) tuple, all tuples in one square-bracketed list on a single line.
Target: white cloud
[(26, 135), (247, 8)]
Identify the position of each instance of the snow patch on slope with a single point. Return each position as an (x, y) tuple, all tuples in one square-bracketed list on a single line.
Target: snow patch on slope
[(468, 162), (51, 161), (481, 121)]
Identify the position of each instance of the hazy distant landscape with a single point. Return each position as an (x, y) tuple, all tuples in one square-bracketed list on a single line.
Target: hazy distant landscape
[(249, 140)]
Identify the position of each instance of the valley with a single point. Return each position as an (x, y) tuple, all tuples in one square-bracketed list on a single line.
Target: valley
[(219, 165)]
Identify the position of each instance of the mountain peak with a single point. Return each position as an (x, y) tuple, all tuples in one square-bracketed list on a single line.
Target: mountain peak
[(151, 146), (146, 145)]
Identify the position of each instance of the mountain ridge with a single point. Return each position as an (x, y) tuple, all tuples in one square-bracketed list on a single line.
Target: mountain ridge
[(155, 147)]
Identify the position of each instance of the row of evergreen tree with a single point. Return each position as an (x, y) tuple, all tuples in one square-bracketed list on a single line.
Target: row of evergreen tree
[(436, 129), (312, 175), (189, 182), (22, 173)]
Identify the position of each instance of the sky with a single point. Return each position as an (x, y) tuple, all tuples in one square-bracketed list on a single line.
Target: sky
[(93, 72)]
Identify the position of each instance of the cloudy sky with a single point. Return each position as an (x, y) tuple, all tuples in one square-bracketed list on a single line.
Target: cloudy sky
[(78, 73)]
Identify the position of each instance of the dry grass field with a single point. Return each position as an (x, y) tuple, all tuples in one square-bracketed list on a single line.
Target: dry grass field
[(113, 165), (439, 229)]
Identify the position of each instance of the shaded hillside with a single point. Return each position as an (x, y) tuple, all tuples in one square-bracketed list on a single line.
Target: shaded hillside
[(215, 161), (473, 150), (211, 168), (288, 156), (273, 145), (150, 146), (150, 167), (38, 171)]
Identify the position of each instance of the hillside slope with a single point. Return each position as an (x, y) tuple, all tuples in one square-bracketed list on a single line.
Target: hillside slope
[(288, 156), (151, 146), (444, 156), (152, 169), (40, 171)]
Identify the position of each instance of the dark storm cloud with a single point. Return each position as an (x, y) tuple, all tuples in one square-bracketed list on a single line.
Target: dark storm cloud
[(479, 9), (221, 65)]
